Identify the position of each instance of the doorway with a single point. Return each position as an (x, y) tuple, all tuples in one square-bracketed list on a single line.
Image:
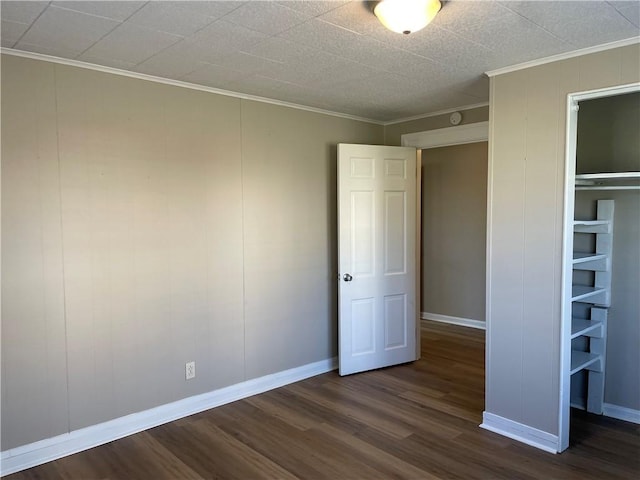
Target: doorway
[(454, 226), (454, 186)]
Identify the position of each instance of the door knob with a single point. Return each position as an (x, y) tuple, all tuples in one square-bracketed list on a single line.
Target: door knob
[(347, 277)]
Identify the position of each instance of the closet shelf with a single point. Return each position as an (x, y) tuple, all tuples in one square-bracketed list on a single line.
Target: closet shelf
[(584, 360), (584, 257), (608, 181), (607, 175), (591, 226), (589, 328), (581, 293)]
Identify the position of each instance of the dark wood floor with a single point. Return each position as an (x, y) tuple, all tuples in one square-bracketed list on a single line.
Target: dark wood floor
[(417, 421)]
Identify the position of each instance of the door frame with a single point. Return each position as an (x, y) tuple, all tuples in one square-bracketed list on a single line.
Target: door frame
[(445, 137), (441, 137)]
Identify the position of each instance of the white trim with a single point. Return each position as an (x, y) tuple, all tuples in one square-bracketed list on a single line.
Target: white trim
[(613, 411), (520, 432), (605, 92), (43, 451), (579, 404), (464, 322), (564, 56), (443, 137), (564, 395), (489, 255), (178, 83), (621, 413), (436, 113)]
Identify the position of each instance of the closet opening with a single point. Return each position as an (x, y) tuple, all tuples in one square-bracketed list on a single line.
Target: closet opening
[(600, 323)]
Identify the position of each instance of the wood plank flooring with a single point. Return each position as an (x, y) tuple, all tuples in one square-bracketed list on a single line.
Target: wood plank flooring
[(415, 421)]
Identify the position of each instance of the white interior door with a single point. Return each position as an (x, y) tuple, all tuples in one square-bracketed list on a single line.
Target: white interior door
[(377, 188)]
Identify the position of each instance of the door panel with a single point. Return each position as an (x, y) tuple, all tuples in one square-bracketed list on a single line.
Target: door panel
[(395, 233), (362, 326), (377, 256), (395, 321), (362, 233)]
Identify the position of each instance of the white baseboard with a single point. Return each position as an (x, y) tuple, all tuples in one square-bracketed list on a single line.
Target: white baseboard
[(579, 404), (465, 322), (43, 451), (613, 411), (520, 432), (621, 413)]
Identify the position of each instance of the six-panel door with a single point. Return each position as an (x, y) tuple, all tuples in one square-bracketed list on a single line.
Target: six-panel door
[(377, 256)]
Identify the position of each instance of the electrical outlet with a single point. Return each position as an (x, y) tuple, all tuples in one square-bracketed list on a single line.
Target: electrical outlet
[(190, 370)]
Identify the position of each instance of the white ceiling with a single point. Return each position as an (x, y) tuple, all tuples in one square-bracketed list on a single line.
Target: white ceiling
[(332, 55)]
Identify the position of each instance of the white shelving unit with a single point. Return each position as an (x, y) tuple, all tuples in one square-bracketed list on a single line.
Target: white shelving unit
[(594, 329)]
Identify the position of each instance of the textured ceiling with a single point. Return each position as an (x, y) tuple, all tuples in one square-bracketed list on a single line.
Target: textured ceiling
[(332, 55)]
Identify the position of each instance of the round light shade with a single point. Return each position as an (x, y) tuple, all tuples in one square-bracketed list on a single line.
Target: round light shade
[(406, 16)]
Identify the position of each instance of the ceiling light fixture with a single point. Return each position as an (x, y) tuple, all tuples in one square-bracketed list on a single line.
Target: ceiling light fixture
[(406, 16)]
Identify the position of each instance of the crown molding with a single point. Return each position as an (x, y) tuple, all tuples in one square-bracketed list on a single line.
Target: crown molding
[(437, 113), (229, 93), (564, 56), (178, 83)]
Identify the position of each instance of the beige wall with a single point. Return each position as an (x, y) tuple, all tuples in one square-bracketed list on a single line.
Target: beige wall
[(454, 221), (608, 130), (144, 226), (526, 175), (394, 132)]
